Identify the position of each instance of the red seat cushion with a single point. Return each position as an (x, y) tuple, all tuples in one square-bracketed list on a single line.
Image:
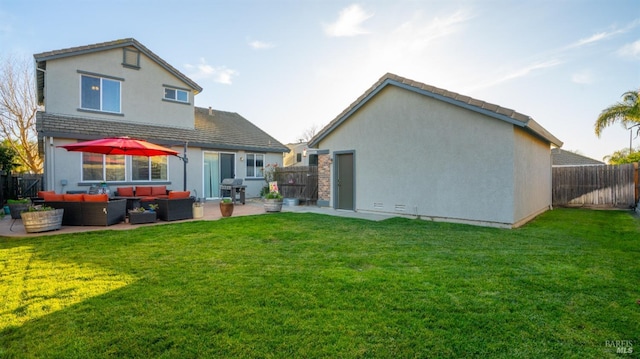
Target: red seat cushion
[(142, 191), (73, 197), (125, 191), (158, 190), (53, 197), (41, 194), (96, 197), (179, 194)]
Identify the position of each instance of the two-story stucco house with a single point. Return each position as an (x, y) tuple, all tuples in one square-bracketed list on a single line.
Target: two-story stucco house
[(121, 88), (407, 148)]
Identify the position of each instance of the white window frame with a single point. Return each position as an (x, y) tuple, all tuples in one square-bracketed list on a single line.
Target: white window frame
[(101, 95), (149, 178), (104, 170), (258, 172), (128, 170), (176, 92)]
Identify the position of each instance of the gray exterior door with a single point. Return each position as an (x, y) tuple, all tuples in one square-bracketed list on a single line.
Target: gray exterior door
[(344, 181)]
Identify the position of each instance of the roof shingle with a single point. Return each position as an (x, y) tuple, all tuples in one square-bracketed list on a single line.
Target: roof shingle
[(221, 130)]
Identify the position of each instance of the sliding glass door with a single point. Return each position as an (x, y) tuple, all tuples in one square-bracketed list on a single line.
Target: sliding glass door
[(217, 166)]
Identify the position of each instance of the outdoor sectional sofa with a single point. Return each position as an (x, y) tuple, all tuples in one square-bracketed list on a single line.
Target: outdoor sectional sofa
[(172, 205), (178, 206), (87, 210), (141, 196)]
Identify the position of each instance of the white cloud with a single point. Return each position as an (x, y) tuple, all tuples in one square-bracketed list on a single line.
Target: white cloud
[(582, 77), (518, 73), (203, 71), (261, 45), (349, 22), (593, 39), (417, 33), (419, 47), (631, 50), (604, 35)]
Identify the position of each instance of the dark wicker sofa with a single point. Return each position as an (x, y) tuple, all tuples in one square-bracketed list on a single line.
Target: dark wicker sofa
[(175, 209), (91, 213)]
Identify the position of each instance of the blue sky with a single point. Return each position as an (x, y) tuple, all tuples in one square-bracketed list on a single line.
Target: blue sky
[(290, 65)]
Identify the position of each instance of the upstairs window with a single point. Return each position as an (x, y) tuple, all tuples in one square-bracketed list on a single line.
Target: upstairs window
[(99, 94), (174, 94)]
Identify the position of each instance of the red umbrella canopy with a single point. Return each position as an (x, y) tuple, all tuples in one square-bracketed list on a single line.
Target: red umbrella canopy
[(120, 146)]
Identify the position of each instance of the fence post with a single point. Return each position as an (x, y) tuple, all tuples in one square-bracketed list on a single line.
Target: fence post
[(635, 181)]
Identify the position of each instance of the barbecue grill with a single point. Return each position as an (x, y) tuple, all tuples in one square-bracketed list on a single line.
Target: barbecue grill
[(234, 187)]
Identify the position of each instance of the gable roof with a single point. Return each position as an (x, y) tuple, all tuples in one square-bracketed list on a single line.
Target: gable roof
[(221, 130), (561, 157), (485, 108), (43, 57)]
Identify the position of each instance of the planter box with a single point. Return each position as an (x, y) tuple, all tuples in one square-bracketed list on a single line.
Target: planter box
[(16, 208), (42, 221), (142, 217), (273, 205)]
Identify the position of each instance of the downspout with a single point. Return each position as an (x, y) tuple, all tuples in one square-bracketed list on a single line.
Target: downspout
[(50, 162)]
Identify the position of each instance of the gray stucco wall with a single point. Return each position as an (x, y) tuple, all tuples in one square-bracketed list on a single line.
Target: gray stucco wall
[(532, 176), (419, 156), (142, 90)]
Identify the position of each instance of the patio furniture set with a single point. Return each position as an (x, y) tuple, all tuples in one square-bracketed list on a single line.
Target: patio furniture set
[(83, 209)]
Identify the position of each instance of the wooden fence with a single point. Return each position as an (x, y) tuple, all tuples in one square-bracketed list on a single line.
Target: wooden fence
[(607, 186), (14, 186), (299, 182)]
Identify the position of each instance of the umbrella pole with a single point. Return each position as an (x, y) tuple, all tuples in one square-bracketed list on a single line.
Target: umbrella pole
[(185, 160)]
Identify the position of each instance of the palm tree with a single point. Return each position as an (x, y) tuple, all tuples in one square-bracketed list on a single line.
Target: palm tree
[(626, 112)]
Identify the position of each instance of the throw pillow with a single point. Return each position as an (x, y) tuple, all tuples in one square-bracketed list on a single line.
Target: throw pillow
[(179, 194), (142, 191), (96, 198), (125, 191)]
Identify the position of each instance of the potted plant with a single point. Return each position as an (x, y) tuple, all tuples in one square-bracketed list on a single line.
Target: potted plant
[(41, 218), (16, 206), (153, 207), (226, 207), (140, 215), (273, 202)]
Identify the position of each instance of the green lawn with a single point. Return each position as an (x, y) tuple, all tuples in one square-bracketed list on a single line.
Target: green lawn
[(293, 285)]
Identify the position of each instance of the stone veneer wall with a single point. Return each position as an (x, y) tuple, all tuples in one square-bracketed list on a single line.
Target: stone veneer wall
[(324, 179)]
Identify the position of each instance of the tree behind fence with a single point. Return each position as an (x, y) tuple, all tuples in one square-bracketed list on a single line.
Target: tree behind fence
[(298, 182), (610, 185)]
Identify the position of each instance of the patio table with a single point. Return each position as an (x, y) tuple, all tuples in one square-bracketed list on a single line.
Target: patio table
[(132, 202)]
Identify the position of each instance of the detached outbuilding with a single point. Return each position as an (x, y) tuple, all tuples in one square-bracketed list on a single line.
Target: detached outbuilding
[(411, 149)]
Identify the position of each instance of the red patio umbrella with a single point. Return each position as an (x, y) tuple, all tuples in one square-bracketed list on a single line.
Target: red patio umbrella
[(121, 146)]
